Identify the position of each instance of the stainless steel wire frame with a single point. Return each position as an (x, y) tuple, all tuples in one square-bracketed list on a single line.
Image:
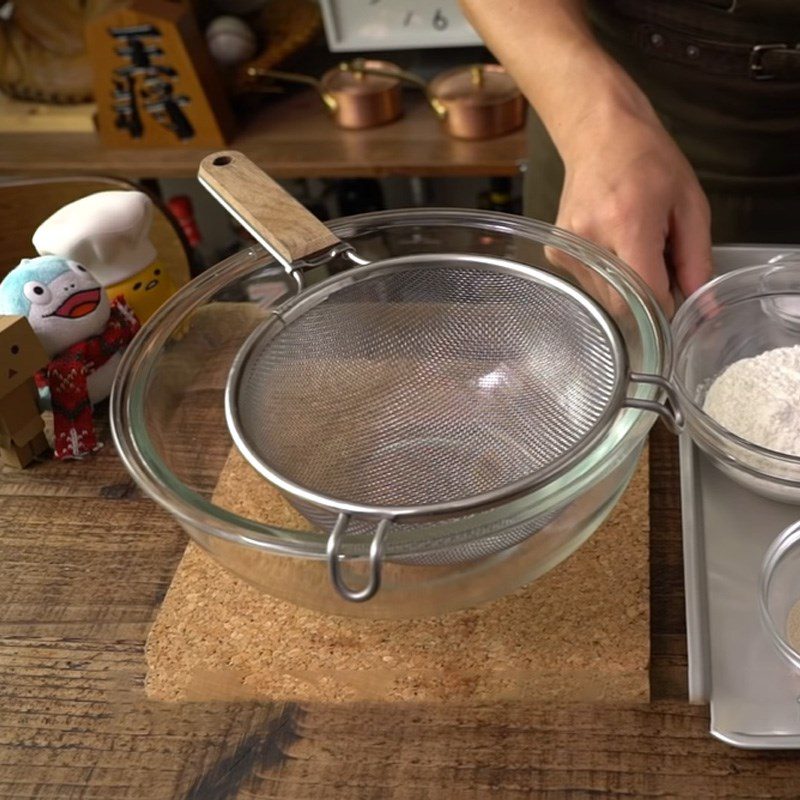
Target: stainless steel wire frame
[(309, 405)]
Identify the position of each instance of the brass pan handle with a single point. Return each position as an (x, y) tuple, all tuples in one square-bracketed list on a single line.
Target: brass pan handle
[(357, 67), (295, 77)]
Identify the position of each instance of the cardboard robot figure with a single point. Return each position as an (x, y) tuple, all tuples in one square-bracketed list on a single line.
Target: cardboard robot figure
[(22, 436)]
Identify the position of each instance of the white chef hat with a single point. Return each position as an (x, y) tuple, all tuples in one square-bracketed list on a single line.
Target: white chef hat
[(106, 232)]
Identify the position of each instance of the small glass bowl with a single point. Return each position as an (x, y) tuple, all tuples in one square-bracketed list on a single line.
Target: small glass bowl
[(779, 591), (738, 315)]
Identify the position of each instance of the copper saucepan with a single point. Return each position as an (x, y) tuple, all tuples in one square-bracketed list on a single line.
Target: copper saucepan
[(477, 101), (358, 94)]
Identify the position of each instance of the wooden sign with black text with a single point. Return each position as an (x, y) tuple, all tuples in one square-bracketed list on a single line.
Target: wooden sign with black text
[(155, 83)]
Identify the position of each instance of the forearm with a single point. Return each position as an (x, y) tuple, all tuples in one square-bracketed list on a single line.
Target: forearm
[(549, 49)]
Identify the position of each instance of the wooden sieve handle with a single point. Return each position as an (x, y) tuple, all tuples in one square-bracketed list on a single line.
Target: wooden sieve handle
[(289, 231)]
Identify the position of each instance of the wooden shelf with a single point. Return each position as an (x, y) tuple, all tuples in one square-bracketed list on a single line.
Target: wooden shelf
[(289, 137)]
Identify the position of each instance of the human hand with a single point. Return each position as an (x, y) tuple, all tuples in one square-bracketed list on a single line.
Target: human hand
[(628, 188)]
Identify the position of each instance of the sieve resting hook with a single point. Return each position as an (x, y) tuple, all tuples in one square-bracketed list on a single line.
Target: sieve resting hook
[(669, 411), (375, 559)]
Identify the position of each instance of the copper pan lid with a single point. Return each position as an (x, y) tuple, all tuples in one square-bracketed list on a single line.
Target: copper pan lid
[(356, 78), (475, 84)]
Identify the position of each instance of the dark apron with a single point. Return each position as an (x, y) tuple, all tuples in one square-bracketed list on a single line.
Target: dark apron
[(724, 77)]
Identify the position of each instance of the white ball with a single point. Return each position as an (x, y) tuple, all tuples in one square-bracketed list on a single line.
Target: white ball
[(230, 40)]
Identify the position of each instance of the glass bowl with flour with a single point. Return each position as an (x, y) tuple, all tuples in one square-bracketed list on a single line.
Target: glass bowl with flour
[(737, 373)]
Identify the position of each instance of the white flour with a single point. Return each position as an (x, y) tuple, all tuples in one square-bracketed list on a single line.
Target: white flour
[(759, 399)]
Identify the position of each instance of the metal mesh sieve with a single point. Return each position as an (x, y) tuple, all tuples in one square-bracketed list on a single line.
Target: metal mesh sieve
[(419, 387), (406, 396)]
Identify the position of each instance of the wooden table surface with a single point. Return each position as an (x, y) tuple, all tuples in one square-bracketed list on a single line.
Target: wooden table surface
[(289, 137), (85, 560)]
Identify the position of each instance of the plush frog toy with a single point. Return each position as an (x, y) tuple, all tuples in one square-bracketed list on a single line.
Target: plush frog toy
[(82, 334), (108, 233)]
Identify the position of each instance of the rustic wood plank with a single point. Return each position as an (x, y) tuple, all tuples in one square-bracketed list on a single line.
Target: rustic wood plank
[(81, 575), (74, 725)]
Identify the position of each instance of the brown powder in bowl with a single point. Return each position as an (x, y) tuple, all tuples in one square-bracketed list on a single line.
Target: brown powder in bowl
[(793, 626)]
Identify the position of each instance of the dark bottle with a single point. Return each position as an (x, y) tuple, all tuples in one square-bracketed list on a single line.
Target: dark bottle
[(500, 197)]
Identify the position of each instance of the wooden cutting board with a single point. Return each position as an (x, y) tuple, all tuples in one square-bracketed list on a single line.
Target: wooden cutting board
[(581, 632)]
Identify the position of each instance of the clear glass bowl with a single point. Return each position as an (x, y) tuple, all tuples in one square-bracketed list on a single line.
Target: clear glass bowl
[(168, 421), (779, 593), (738, 315)]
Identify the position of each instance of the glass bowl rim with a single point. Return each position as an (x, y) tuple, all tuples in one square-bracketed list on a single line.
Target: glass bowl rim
[(789, 537), (718, 432), (196, 511)]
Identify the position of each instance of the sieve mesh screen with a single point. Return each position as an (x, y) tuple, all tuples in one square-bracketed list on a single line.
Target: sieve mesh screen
[(436, 382)]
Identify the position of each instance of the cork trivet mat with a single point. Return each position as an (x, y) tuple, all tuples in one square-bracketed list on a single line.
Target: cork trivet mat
[(580, 632)]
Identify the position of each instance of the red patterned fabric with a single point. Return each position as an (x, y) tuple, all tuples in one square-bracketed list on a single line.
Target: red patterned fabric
[(66, 376)]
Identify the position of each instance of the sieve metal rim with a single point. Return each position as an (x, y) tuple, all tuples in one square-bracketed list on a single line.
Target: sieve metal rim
[(309, 298)]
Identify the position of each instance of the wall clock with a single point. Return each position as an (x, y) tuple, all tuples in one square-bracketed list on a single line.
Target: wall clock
[(395, 25)]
